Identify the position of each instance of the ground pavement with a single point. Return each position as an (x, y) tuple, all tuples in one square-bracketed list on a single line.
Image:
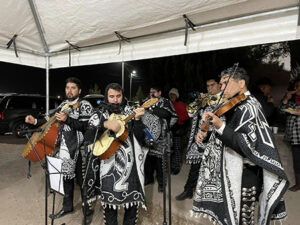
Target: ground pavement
[(22, 200)]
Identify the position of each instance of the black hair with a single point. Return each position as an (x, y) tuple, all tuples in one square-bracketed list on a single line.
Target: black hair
[(296, 81), (263, 81), (74, 80), (213, 78), (239, 74), (116, 87), (157, 88)]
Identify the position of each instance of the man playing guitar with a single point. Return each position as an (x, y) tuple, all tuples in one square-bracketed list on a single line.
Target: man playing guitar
[(122, 174)]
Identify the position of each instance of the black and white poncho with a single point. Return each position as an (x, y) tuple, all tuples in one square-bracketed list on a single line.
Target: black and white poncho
[(118, 180), (71, 136), (218, 191), (194, 150), (159, 118)]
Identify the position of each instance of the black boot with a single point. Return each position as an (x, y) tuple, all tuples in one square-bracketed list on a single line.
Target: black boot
[(88, 213), (296, 187), (60, 214), (87, 220), (184, 195)]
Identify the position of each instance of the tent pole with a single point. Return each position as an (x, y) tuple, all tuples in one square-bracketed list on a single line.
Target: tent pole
[(38, 25), (123, 75), (47, 85)]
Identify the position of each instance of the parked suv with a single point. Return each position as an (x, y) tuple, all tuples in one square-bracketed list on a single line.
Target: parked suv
[(94, 99), (14, 107)]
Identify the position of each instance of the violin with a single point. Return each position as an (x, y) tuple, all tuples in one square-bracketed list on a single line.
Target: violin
[(222, 110)]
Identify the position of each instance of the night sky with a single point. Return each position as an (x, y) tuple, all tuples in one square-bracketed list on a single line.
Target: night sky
[(26, 79)]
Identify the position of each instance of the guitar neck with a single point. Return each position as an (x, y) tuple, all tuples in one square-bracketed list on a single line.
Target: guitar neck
[(147, 104), (129, 117)]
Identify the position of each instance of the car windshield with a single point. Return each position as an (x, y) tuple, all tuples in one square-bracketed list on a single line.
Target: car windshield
[(95, 100)]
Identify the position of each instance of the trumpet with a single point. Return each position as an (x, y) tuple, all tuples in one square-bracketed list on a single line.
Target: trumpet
[(197, 104), (194, 106), (201, 103)]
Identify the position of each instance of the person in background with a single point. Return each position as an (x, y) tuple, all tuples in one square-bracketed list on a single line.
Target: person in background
[(262, 93), (178, 130), (291, 105), (163, 115)]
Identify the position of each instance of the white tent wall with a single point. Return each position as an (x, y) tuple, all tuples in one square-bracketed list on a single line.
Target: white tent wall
[(278, 26), (25, 58)]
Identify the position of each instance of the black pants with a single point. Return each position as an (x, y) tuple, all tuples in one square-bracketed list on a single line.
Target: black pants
[(296, 158), (130, 216), (152, 164), (69, 186), (191, 182)]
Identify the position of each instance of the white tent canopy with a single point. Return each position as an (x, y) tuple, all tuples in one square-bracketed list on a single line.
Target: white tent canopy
[(46, 33), (155, 28)]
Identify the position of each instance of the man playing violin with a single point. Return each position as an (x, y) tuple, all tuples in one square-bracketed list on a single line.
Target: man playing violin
[(71, 131), (240, 163), (121, 176)]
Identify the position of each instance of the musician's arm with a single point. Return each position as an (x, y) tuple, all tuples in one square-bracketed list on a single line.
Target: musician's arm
[(40, 122), (80, 125), (138, 131), (231, 139), (162, 113), (91, 129)]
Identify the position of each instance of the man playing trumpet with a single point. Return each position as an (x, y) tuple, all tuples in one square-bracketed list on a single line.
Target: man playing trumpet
[(194, 153)]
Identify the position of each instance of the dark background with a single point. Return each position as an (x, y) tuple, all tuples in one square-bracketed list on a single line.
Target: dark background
[(185, 72)]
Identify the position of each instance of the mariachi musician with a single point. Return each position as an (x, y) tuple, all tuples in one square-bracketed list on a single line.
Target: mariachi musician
[(195, 150), (159, 119), (71, 128), (121, 182), (240, 164)]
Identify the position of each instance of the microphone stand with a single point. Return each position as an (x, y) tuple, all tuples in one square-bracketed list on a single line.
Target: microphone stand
[(89, 156), (167, 179)]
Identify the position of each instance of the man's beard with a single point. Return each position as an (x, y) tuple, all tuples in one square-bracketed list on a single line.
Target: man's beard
[(116, 107), (72, 98)]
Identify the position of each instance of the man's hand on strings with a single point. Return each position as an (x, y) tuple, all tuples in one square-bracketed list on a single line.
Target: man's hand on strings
[(112, 125), (61, 116), (139, 112), (213, 119)]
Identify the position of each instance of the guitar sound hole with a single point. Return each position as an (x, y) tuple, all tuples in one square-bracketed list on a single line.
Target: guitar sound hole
[(111, 133)]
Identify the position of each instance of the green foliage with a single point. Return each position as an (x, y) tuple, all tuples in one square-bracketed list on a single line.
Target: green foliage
[(139, 95), (95, 89)]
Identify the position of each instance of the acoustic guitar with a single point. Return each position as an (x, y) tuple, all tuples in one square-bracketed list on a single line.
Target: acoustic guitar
[(109, 142), (45, 140)]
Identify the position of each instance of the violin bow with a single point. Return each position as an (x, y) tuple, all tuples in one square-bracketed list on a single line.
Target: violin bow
[(236, 65)]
